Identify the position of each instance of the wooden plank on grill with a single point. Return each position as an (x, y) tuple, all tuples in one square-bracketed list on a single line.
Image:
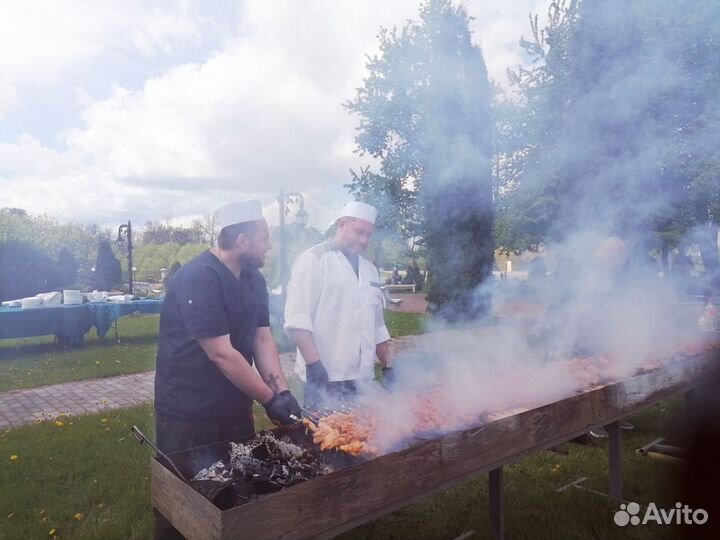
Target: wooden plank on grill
[(190, 513), (511, 438)]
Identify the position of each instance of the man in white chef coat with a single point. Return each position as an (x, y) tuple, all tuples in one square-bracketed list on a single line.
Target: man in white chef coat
[(334, 311)]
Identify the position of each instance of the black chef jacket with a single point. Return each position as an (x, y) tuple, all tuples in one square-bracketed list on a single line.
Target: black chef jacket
[(204, 299)]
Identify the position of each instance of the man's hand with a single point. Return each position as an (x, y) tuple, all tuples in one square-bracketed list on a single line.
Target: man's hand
[(280, 410), (317, 382), (292, 403), (316, 373), (389, 378)]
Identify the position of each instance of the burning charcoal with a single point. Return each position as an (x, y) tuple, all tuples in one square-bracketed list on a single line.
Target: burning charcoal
[(217, 472), (261, 452), (289, 450), (268, 462)]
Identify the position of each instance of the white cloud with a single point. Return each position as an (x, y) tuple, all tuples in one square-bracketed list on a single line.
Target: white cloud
[(261, 113), (43, 39)]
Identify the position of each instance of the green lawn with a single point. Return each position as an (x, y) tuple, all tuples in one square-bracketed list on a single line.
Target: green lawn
[(405, 324), (31, 362), (92, 466)]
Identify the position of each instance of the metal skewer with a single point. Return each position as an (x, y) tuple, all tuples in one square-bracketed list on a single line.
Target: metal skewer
[(310, 416)]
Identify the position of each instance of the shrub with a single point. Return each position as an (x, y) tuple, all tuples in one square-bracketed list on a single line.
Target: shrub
[(25, 271)]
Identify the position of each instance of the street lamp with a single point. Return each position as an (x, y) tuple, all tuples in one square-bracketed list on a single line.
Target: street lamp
[(124, 238), (284, 200), (301, 217)]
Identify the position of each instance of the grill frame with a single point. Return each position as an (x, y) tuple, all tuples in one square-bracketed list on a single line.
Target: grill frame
[(340, 501)]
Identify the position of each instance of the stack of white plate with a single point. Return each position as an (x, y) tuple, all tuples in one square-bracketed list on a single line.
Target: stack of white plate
[(50, 298), (31, 302), (97, 296), (72, 297)]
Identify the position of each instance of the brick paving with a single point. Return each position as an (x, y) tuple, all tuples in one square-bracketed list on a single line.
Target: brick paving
[(411, 303), (19, 407)]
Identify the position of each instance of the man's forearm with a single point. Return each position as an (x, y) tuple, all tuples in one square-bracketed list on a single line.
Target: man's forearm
[(305, 342), (383, 353), (268, 365), (236, 368)]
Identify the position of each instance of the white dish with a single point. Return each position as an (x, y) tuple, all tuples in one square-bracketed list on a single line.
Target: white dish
[(50, 298), (97, 296), (32, 302), (72, 297)]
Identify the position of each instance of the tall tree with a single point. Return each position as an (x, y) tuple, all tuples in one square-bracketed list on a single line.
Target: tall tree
[(425, 115), (620, 121), (107, 268), (66, 268), (25, 270), (51, 235)]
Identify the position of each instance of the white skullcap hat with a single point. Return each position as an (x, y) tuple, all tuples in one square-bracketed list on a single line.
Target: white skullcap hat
[(359, 210), (239, 212)]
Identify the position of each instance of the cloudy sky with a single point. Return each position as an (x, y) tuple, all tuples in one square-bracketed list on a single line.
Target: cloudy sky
[(139, 109)]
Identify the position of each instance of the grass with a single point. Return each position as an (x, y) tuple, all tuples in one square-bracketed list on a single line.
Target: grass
[(93, 466), (405, 324), (32, 362)]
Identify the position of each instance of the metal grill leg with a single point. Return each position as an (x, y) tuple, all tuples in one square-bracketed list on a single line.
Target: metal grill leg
[(691, 406), (615, 451), (497, 523)]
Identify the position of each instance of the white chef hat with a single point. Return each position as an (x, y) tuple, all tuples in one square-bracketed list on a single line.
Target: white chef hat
[(359, 210), (238, 212)]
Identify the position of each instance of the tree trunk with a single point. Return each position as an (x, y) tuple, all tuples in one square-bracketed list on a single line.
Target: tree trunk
[(707, 240), (664, 257), (461, 249)]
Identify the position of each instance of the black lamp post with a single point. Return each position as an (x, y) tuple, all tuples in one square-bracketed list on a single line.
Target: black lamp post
[(124, 238)]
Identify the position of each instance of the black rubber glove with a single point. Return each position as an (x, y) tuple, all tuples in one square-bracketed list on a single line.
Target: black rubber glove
[(293, 405), (389, 378), (316, 386), (315, 373), (278, 410)]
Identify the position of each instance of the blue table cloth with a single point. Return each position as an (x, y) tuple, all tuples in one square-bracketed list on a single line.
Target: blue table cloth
[(69, 323), (104, 314)]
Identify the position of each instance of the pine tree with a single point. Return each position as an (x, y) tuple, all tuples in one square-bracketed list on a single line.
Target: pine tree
[(107, 267)]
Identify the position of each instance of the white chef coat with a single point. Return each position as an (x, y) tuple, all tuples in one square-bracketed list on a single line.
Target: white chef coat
[(344, 311)]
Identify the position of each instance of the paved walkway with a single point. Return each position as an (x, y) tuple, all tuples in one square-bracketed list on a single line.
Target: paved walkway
[(18, 407), (411, 303)]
